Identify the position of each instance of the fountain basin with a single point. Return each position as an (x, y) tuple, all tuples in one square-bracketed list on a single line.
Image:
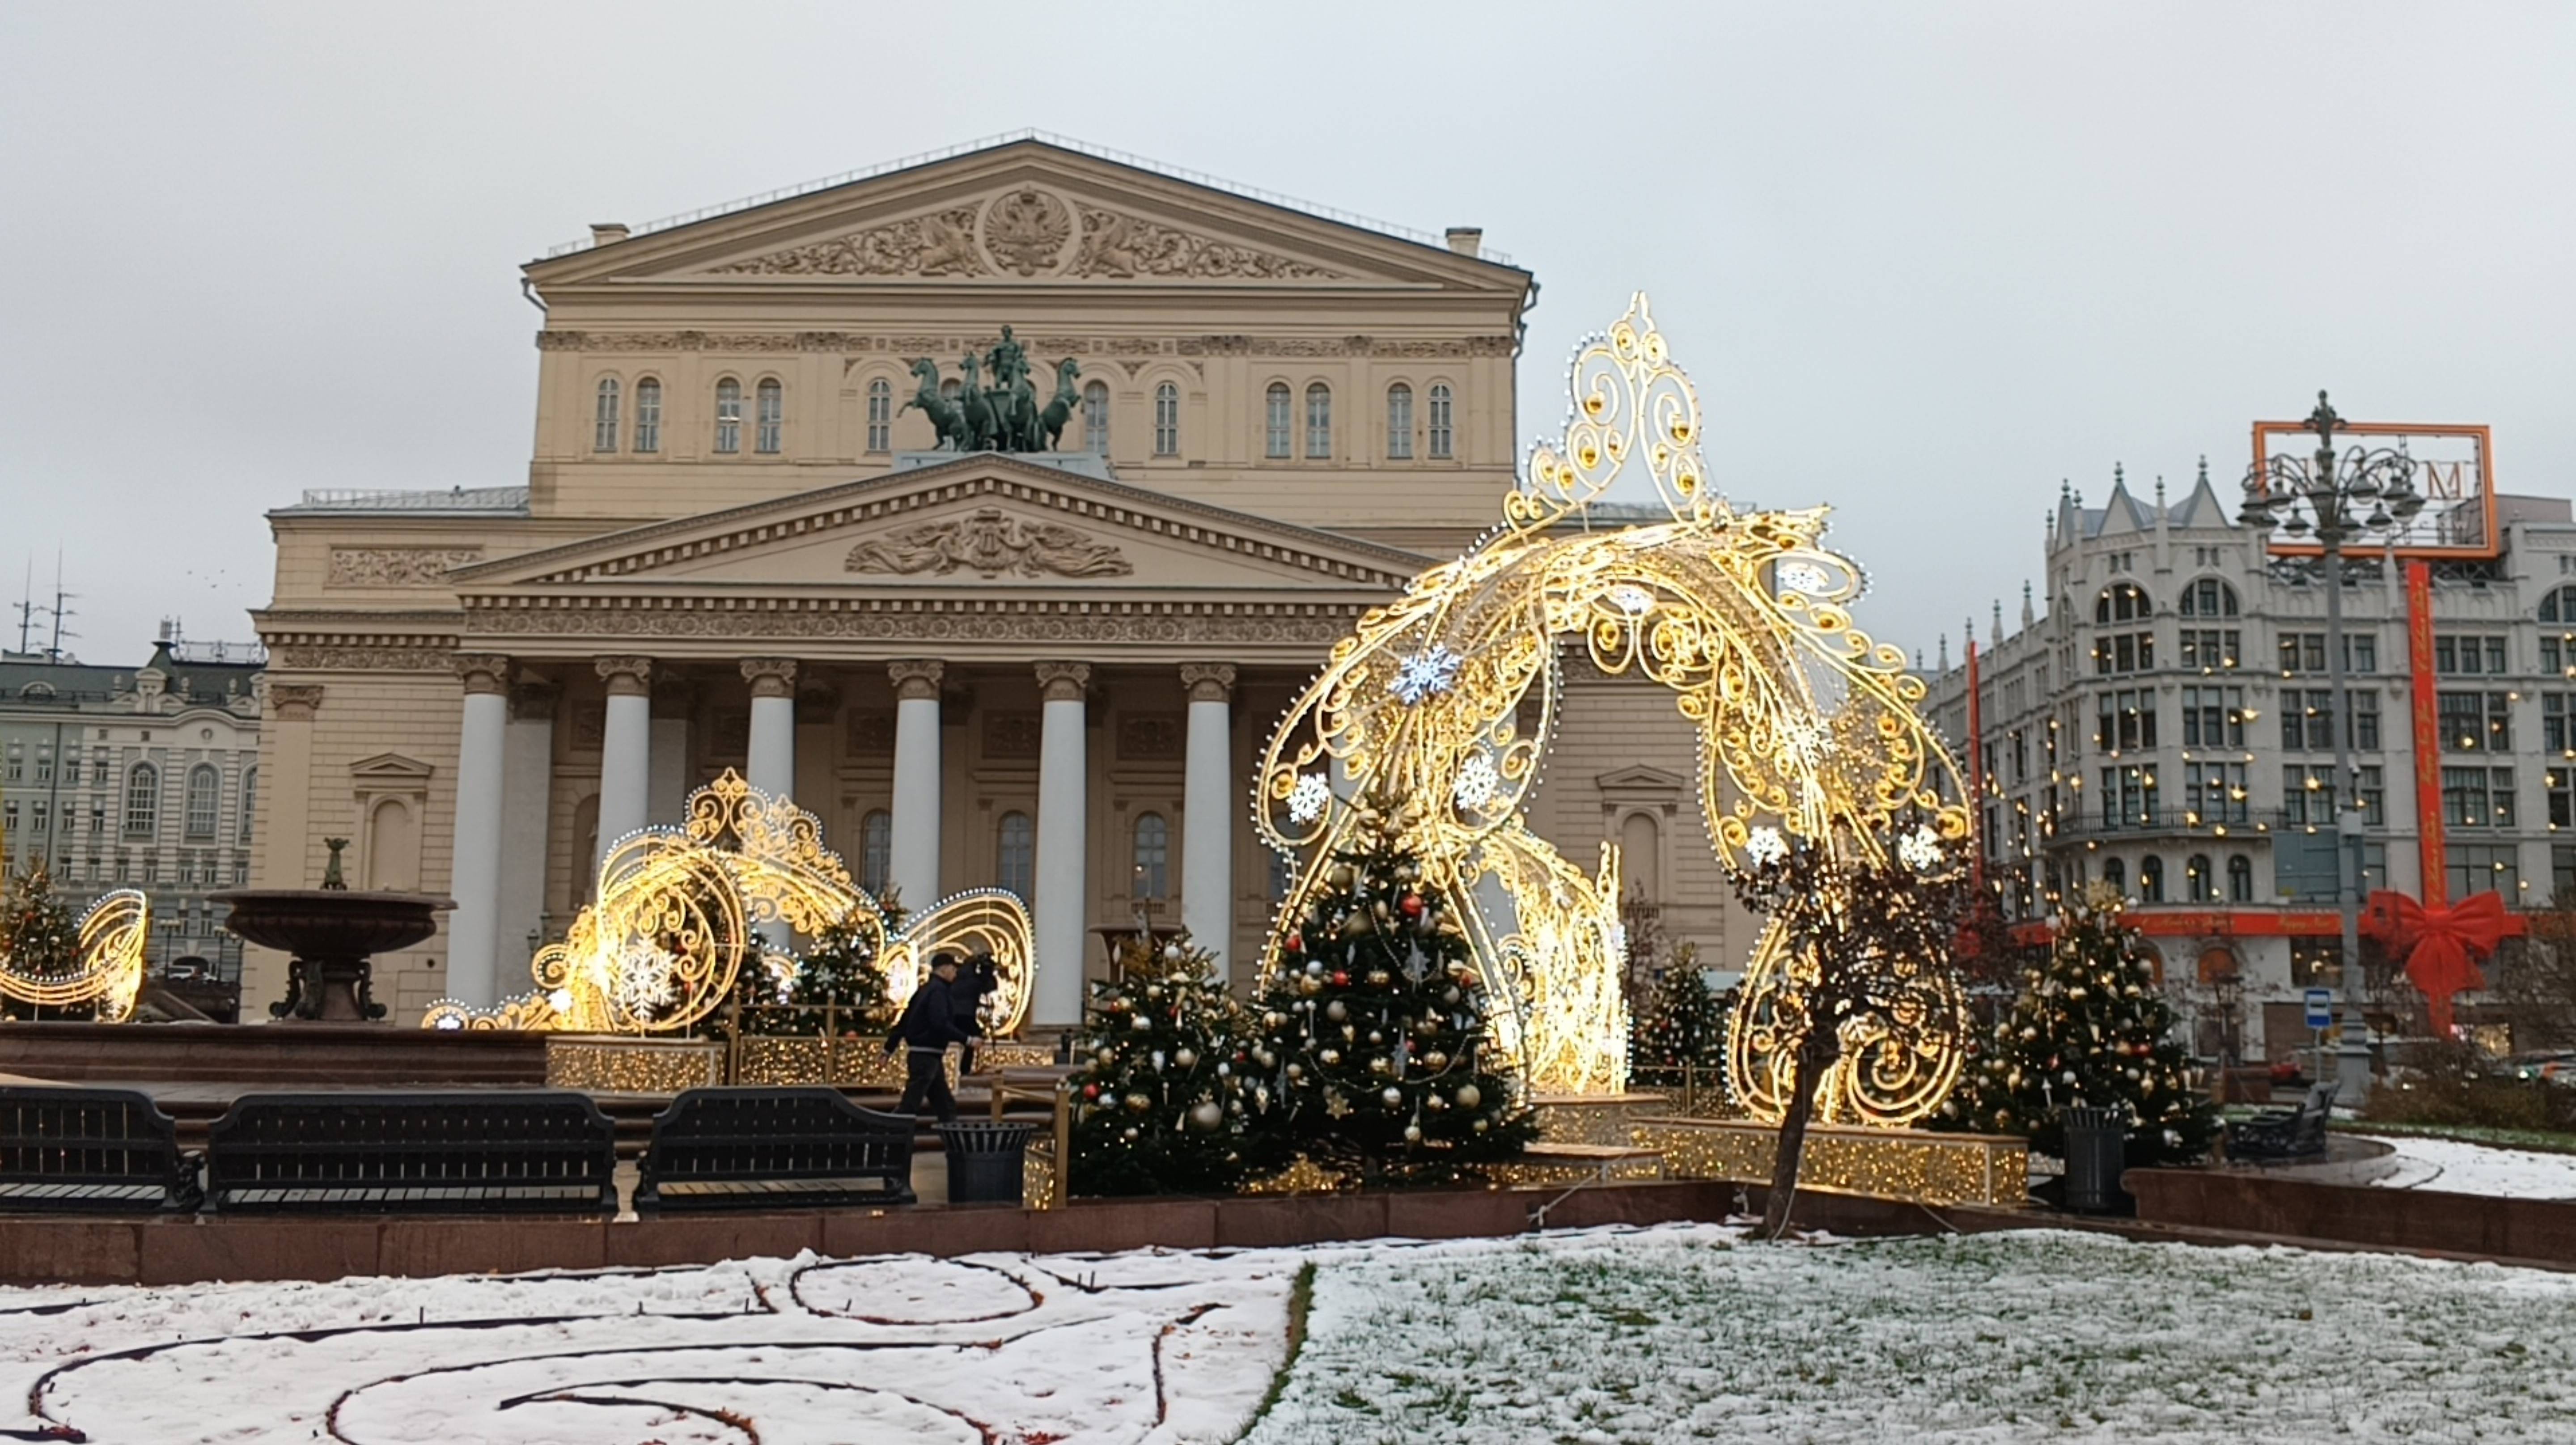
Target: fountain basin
[(331, 933)]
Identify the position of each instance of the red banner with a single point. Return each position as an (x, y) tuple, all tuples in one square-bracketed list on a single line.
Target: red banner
[(2428, 734)]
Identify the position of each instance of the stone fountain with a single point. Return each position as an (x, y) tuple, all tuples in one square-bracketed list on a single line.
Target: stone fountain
[(331, 932)]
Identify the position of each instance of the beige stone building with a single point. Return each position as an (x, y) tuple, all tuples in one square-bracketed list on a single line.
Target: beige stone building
[(737, 546)]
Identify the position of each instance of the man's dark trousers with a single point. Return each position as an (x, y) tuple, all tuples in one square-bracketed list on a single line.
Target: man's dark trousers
[(925, 1079)]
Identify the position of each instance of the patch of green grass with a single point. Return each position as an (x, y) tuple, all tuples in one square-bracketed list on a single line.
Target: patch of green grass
[(1301, 1298)]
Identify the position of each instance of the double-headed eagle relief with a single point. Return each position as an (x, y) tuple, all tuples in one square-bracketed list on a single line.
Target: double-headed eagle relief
[(993, 406), (1438, 710)]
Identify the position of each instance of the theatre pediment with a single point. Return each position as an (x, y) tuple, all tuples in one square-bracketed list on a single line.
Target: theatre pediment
[(1020, 212), (985, 523)]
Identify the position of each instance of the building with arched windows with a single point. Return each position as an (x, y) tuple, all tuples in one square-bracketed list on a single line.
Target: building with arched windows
[(736, 545), (2162, 720), (136, 777)]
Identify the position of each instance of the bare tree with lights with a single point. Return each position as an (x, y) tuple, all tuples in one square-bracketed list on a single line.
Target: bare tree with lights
[(1861, 927)]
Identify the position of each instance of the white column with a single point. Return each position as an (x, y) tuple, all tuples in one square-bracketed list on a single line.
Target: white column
[(1208, 808), (772, 765), (625, 748), (474, 875), (913, 859), (1064, 830)]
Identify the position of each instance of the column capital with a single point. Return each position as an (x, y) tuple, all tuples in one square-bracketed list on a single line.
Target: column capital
[(1208, 681), (295, 701), (916, 678), (770, 676), (1063, 681), (483, 672), (626, 676)]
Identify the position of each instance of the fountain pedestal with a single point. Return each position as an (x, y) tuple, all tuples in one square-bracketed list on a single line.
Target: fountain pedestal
[(331, 933)]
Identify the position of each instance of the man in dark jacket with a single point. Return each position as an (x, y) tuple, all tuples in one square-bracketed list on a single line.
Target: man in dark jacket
[(928, 1026)]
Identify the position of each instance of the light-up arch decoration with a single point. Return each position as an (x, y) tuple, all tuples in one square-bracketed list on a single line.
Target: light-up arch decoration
[(108, 971), (678, 915), (1447, 697)]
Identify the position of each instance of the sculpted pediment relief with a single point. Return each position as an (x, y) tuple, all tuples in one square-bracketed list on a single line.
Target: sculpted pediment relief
[(1029, 232), (990, 543)]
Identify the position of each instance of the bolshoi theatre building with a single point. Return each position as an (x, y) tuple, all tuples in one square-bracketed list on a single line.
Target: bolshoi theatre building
[(755, 533)]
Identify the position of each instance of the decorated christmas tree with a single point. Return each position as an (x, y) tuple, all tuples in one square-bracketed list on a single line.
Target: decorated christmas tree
[(781, 995), (38, 936), (2089, 1029), (1679, 1037), (1166, 1100), (1373, 1029)]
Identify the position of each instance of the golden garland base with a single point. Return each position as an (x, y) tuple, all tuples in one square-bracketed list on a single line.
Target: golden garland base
[(856, 1061), (618, 1064), (1595, 1118), (1912, 1165)]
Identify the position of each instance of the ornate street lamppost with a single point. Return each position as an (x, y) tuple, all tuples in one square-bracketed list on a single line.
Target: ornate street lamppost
[(2361, 495)]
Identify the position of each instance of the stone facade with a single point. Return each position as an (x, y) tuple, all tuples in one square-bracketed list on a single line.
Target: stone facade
[(1284, 418), (2163, 723)]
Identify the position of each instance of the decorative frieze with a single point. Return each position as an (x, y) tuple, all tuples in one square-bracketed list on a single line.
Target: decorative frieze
[(940, 244), (397, 566), (361, 657), (1126, 247), (1212, 625), (847, 343), (991, 542)]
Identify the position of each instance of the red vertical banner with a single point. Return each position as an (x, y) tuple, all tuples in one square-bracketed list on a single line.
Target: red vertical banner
[(1977, 773), (2428, 733)]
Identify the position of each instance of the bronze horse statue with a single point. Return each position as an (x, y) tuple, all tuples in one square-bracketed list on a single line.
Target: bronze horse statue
[(982, 419), (947, 419), (1060, 410)]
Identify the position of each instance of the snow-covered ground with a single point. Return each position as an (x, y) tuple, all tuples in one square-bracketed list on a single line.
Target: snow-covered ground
[(2459, 1168), (1661, 1335)]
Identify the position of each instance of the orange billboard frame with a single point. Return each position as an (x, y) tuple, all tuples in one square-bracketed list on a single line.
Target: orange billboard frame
[(2488, 544)]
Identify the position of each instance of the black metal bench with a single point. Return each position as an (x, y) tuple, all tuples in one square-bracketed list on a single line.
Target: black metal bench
[(2284, 1133), (773, 1149), (90, 1149), (460, 1152)]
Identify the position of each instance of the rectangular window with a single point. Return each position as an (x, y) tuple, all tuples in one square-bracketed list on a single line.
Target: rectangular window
[(2365, 720), (2484, 868), (771, 399), (2558, 723), (648, 416), (16, 770), (2360, 653), (2127, 720), (2020, 757), (2307, 719), (1319, 423), (2303, 652), (1399, 424), (2128, 797), (2475, 722), (880, 417), (2212, 648), (728, 417), (2372, 790), (1441, 435), (44, 765), (2213, 717), (2560, 783), (44, 816), (1167, 420), (1276, 440), (2307, 794), (2215, 792), (2478, 797)]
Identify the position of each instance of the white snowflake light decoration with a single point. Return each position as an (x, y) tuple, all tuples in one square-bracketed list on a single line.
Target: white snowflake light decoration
[(1804, 577), (1306, 801), (1766, 847), (1432, 670), (1920, 850), (1478, 781), (1633, 600), (1807, 739)]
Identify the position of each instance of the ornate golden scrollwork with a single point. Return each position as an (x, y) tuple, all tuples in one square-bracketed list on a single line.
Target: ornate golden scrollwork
[(1447, 697), (113, 935)]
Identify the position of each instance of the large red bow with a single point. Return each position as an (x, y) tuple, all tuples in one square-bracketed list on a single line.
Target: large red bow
[(2437, 944)]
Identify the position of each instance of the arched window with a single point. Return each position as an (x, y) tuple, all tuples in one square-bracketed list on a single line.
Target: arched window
[(1095, 418), (142, 801), (2200, 879), (2208, 597), (648, 415), (1399, 423), (205, 787), (2240, 879), (2559, 605), (2123, 602), (1153, 856), (1319, 422), (1441, 449), (880, 416), (250, 799), (2151, 879), (1016, 861), (728, 416), (1276, 415), (876, 851), (2116, 874), (771, 417), (2124, 605), (1167, 420), (603, 433)]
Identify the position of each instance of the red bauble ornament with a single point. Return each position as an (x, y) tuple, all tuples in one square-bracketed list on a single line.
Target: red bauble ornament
[(1296, 943), (1091, 1091), (1341, 979), (1412, 905)]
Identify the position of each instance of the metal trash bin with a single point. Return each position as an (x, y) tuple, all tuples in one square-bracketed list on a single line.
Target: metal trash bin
[(2096, 1150), (987, 1160)]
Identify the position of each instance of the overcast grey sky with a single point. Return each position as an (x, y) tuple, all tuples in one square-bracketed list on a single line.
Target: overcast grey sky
[(1923, 260)]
